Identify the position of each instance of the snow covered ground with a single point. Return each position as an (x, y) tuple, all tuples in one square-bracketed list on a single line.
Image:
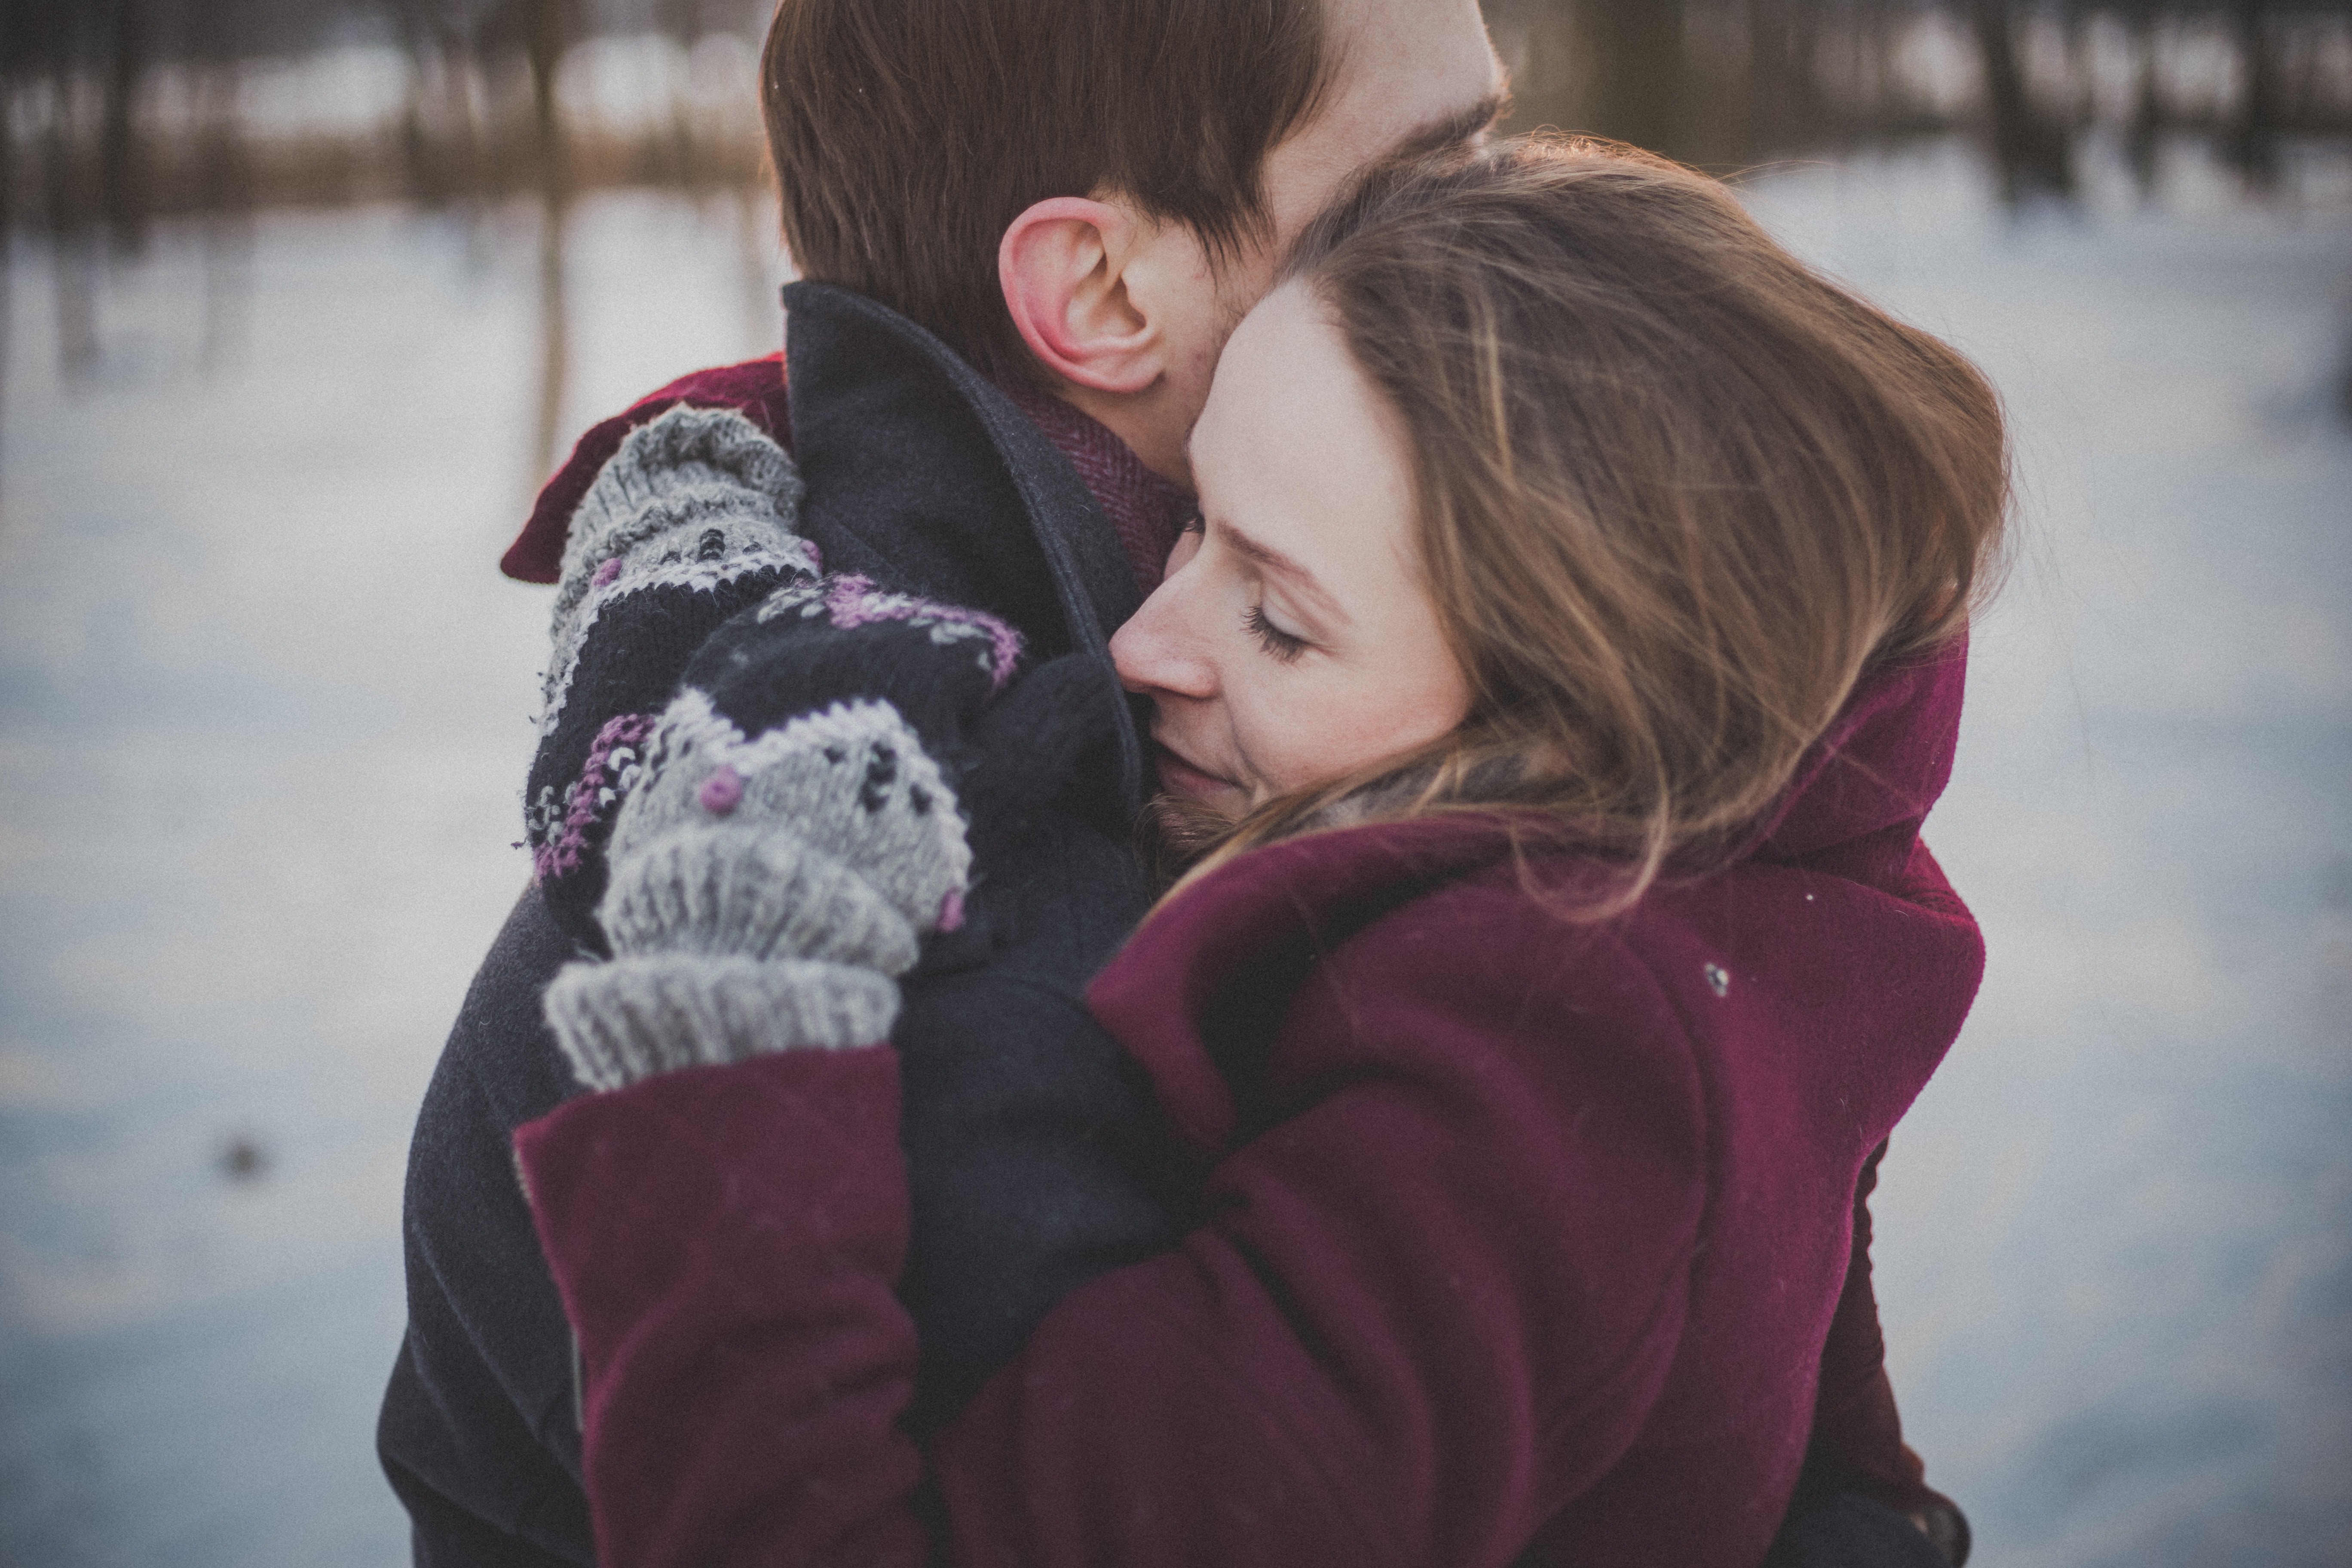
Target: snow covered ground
[(262, 715)]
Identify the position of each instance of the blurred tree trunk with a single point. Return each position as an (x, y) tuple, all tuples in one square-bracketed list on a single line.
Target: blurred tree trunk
[(1783, 92), (2032, 153), (124, 194), (226, 199), (684, 22), (429, 183), (12, 53), (67, 212), (2142, 133), (1879, 87), (1637, 70), (2252, 144), (548, 27)]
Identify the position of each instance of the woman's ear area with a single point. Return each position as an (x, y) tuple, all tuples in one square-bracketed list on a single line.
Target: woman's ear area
[(1063, 264)]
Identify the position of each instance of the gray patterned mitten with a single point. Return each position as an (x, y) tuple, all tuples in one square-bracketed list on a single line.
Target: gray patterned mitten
[(764, 891), (689, 523)]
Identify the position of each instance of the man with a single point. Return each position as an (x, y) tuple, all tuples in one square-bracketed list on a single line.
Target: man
[(1079, 199)]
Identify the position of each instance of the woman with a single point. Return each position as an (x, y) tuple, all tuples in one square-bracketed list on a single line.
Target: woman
[(1568, 655)]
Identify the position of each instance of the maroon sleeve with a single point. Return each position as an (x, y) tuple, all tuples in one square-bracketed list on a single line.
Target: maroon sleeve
[(724, 1240), (755, 389), (1857, 1443), (1360, 1358)]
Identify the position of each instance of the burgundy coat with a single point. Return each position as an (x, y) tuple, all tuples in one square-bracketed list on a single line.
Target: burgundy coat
[(1512, 1231)]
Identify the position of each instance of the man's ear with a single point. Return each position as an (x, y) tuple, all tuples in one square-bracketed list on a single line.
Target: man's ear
[(1062, 264)]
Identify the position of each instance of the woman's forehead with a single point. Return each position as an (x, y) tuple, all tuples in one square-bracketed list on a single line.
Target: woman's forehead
[(1303, 471)]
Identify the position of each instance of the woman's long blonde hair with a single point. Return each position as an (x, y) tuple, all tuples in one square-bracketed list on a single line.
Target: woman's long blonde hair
[(1676, 493)]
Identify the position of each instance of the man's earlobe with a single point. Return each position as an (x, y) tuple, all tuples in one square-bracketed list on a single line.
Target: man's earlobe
[(1062, 264)]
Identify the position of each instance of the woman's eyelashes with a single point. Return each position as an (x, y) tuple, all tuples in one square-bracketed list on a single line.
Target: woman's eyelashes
[(1284, 646)]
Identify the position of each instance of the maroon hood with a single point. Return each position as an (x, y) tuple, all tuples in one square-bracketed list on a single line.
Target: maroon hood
[(1882, 763)]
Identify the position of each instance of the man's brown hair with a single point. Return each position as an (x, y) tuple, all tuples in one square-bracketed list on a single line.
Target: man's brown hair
[(909, 135)]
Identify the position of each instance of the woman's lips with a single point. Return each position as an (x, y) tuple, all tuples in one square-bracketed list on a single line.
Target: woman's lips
[(1182, 777)]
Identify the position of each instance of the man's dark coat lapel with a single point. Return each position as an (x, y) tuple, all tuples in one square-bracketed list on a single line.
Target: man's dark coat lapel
[(926, 475)]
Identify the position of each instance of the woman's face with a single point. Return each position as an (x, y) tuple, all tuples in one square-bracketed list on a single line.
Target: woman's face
[(1293, 640)]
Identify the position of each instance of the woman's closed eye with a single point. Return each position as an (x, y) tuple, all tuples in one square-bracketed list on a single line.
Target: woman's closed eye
[(1284, 646)]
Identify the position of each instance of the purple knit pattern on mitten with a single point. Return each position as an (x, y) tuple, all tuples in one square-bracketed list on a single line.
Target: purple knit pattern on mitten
[(854, 601), (595, 794)]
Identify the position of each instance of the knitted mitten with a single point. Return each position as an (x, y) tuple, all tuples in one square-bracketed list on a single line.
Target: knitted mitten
[(764, 891), (690, 522), (790, 830)]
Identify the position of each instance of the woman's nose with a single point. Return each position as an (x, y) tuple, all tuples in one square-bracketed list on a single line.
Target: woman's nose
[(1157, 651)]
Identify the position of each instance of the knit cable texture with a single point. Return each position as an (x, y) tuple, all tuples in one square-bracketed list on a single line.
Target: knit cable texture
[(626, 1020), (657, 503)]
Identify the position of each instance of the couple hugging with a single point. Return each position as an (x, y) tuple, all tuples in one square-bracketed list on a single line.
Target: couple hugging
[(1234, 875)]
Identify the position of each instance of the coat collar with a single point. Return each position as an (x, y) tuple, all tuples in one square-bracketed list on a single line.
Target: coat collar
[(1881, 765), (926, 475)]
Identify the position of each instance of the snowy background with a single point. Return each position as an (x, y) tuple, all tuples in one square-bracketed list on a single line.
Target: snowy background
[(263, 710)]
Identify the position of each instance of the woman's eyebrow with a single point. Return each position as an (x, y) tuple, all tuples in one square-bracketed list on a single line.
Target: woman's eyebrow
[(1291, 570)]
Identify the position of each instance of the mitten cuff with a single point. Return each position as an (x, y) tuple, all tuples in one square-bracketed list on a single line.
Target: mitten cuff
[(698, 497), (751, 891), (687, 449), (631, 1019)]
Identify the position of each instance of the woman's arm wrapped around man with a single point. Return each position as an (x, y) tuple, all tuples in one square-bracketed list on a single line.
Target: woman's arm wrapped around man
[(1283, 1388)]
